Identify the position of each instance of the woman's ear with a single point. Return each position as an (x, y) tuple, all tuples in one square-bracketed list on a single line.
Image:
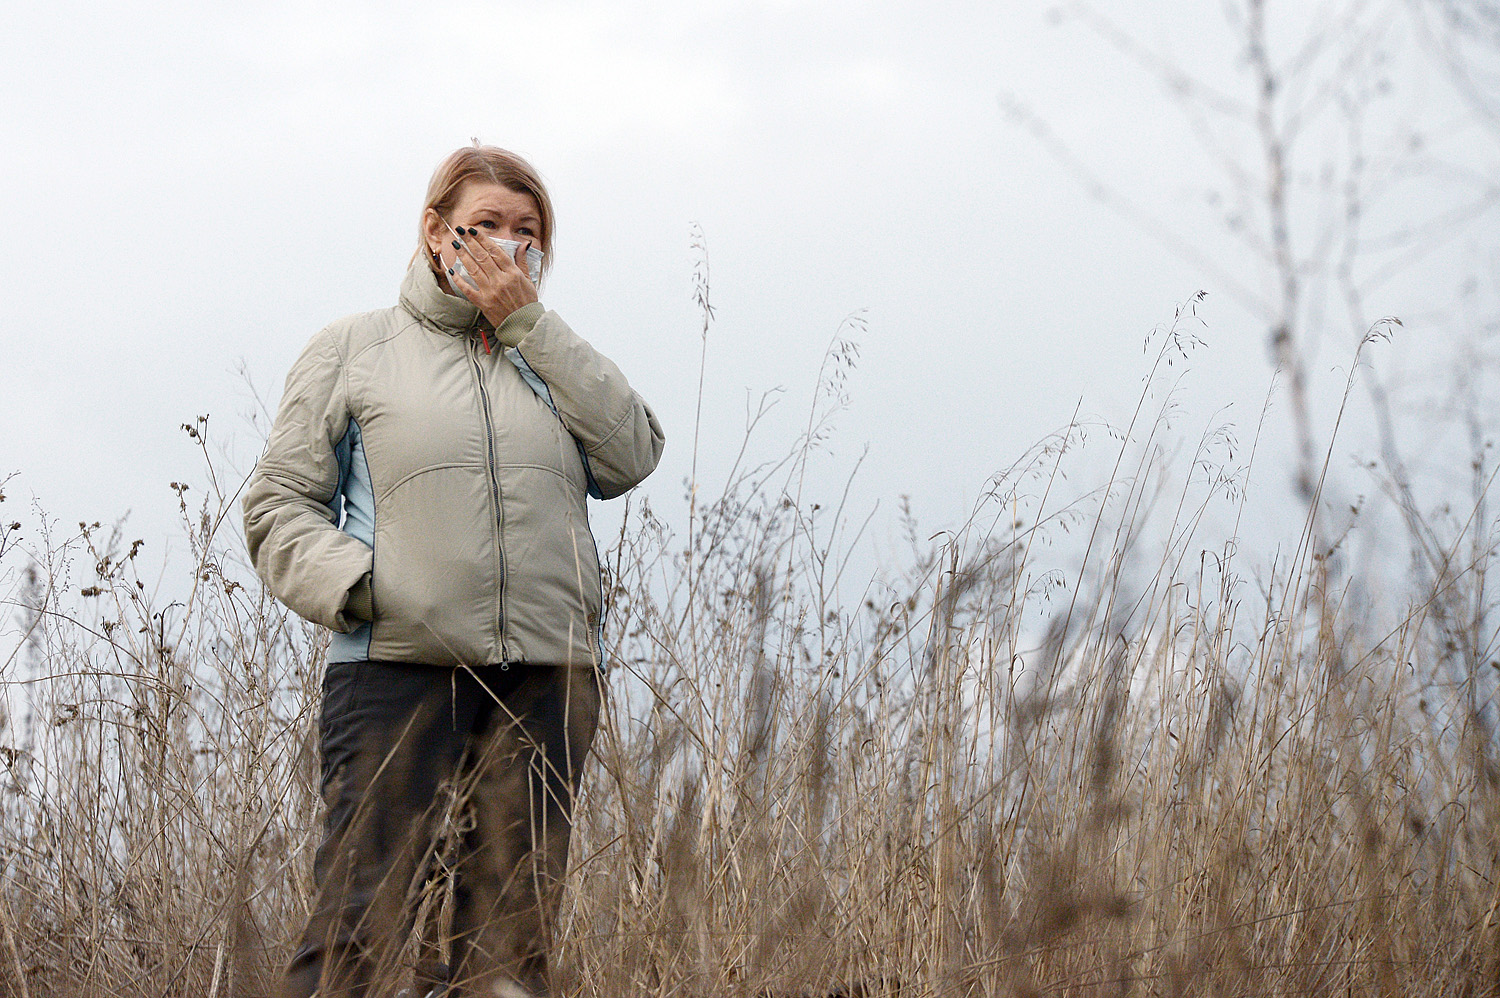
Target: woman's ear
[(434, 229)]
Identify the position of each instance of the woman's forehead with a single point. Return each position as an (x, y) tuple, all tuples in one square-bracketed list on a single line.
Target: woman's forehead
[(482, 195)]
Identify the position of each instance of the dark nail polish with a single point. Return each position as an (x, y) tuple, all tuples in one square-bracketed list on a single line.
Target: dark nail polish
[(457, 245), (473, 231), (450, 271)]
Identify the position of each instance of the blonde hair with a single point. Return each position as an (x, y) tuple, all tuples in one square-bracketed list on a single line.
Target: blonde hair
[(493, 165)]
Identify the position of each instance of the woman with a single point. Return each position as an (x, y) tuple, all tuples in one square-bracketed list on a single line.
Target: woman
[(423, 495)]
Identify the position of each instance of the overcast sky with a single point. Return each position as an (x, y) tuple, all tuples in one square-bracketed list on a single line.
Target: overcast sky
[(190, 190)]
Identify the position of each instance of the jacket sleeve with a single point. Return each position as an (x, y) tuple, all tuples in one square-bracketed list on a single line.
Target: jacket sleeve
[(291, 500), (617, 430)]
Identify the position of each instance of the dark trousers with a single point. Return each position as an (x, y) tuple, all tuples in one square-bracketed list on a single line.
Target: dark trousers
[(477, 768)]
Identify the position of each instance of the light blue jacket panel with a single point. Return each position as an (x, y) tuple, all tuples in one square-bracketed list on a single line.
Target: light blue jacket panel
[(356, 496)]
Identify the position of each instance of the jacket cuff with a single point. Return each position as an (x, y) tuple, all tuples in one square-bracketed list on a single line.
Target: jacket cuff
[(520, 322), (360, 603)]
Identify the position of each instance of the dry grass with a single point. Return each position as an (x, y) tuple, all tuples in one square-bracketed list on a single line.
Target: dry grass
[(1185, 783)]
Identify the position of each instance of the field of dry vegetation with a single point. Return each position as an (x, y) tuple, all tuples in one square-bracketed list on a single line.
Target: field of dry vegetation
[(1175, 768)]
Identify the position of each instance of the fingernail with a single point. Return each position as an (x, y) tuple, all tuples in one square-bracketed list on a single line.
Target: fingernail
[(456, 244), (450, 271), (473, 231)]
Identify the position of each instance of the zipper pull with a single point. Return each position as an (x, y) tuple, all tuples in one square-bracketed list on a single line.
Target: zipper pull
[(484, 338)]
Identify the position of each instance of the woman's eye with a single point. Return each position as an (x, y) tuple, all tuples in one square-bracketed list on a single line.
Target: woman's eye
[(486, 224), (525, 231)]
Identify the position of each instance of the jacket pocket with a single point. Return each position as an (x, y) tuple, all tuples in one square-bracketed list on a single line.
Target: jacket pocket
[(552, 592), (437, 571)]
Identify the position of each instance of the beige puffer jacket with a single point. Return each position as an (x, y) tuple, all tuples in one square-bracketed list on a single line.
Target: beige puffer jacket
[(451, 479)]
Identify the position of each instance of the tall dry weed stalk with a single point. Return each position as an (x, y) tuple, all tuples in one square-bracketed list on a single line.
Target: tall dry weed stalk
[(1166, 770)]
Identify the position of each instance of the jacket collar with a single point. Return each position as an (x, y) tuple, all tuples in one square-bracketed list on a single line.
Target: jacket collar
[(434, 307)]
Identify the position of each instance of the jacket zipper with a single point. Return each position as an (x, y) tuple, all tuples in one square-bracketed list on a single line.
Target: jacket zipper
[(497, 509)]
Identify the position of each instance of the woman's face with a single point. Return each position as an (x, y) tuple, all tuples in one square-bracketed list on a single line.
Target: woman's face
[(491, 209)]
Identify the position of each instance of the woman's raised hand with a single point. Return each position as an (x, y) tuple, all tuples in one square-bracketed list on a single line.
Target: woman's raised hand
[(501, 283)]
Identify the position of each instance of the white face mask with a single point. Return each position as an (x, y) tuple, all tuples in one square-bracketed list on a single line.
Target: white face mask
[(508, 247)]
